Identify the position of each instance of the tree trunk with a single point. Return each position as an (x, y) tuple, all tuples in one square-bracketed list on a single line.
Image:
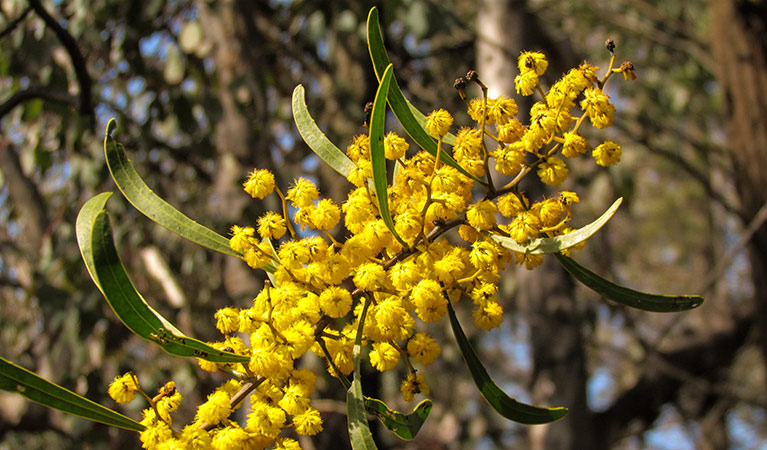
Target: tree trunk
[(545, 295), (739, 43)]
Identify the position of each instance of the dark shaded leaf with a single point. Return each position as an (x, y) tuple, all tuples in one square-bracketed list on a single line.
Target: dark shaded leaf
[(499, 400), (626, 296)]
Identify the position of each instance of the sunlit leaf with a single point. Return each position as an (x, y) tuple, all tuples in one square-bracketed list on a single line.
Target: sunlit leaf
[(357, 421), (559, 243), (411, 119), (404, 426), (94, 236), (175, 65), (626, 296), (17, 379), (499, 400), (148, 203), (377, 156), (315, 138)]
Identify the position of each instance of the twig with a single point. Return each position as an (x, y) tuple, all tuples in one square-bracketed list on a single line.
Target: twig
[(78, 61), (716, 273), (15, 22), (20, 97)]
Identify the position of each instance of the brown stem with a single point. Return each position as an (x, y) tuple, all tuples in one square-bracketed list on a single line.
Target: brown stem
[(78, 61)]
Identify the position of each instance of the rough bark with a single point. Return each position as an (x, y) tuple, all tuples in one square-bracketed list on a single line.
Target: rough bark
[(739, 43), (545, 294)]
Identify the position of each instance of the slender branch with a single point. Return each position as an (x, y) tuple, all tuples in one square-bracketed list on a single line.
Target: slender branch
[(15, 22), (78, 61), (684, 163), (657, 385), (26, 95), (659, 35), (717, 272)]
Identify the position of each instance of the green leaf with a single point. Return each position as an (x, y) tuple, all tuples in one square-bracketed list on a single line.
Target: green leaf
[(357, 421), (15, 378), (411, 119), (404, 426), (559, 243), (505, 405), (377, 157), (315, 138), (94, 235), (148, 203), (626, 296)]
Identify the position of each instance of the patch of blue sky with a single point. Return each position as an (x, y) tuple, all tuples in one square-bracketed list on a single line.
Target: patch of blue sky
[(199, 115), (190, 86), (322, 49), (154, 155), (310, 163), (600, 389), (286, 140), (415, 46), (486, 444), (140, 106), (5, 213), (668, 433), (16, 136), (513, 337), (155, 45), (104, 113), (742, 434), (136, 85), (117, 98), (58, 176), (276, 155), (209, 64)]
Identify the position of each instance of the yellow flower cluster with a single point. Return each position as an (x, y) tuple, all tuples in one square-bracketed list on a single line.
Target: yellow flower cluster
[(320, 287)]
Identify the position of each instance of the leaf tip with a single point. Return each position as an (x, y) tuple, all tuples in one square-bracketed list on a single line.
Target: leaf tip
[(111, 125)]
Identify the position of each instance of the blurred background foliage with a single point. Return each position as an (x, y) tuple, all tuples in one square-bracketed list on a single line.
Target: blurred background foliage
[(201, 92)]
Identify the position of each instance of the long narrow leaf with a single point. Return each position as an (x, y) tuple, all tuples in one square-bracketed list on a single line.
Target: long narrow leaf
[(357, 421), (404, 426), (94, 235), (17, 379), (315, 138), (559, 243), (626, 296), (399, 104), (151, 205), (499, 400), (377, 157)]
